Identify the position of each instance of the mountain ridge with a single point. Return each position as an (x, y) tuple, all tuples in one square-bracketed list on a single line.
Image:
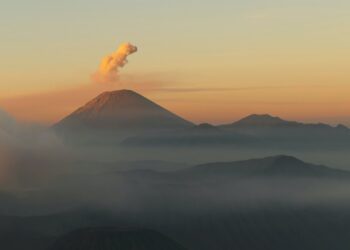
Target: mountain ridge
[(278, 165), (267, 120)]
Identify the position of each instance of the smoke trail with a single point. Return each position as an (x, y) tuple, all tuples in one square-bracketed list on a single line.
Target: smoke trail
[(110, 65)]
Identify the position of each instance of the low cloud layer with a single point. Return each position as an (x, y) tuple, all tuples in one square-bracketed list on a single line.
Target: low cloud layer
[(36, 165)]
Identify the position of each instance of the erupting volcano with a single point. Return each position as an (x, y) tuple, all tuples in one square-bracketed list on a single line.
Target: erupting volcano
[(122, 109)]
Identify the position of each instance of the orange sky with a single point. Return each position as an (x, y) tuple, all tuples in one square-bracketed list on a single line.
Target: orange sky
[(213, 61)]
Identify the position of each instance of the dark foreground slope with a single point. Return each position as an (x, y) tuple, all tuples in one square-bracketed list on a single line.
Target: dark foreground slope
[(108, 238), (272, 228)]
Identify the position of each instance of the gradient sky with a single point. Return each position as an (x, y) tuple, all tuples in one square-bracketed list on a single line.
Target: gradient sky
[(206, 60)]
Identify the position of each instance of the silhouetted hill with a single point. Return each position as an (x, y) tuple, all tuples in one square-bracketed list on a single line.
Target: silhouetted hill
[(254, 131), (265, 121), (281, 166), (274, 132), (262, 120), (268, 170)]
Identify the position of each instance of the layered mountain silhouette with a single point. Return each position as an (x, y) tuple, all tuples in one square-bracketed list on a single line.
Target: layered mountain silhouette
[(137, 121), (199, 135), (112, 238), (267, 121), (252, 131), (280, 165), (122, 109), (262, 120), (204, 207)]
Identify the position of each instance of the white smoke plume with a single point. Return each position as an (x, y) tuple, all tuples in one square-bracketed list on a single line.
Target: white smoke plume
[(110, 65)]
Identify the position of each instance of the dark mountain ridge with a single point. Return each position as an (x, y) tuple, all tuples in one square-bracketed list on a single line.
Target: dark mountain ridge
[(281, 166), (266, 121)]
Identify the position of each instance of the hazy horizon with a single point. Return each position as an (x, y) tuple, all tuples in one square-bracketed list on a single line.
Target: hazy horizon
[(17, 107)]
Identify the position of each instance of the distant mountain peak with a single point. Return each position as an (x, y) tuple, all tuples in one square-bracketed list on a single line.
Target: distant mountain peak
[(261, 119), (284, 159), (205, 127), (342, 127), (285, 164), (268, 121)]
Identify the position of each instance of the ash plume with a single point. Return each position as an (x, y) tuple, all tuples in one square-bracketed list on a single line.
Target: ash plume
[(110, 65)]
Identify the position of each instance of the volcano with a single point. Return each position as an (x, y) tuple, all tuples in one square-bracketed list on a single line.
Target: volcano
[(122, 110)]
